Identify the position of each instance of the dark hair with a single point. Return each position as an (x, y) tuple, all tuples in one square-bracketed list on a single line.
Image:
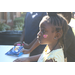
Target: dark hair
[(67, 15), (60, 22)]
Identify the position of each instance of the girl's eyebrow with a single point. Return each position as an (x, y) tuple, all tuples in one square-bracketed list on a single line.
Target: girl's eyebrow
[(43, 26)]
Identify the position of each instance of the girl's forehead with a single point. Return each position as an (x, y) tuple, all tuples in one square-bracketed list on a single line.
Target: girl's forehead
[(43, 23), (46, 25)]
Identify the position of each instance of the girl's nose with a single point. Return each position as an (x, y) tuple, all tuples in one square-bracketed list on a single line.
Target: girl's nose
[(38, 34)]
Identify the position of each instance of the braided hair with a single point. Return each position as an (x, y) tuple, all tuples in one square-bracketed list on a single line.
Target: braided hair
[(60, 22), (67, 15)]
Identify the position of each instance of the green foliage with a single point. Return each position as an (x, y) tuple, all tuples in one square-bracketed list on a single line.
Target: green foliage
[(18, 23), (23, 14), (19, 19), (4, 27), (18, 26)]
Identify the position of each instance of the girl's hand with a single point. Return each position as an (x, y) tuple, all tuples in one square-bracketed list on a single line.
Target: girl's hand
[(25, 51), (25, 45), (15, 44), (22, 60)]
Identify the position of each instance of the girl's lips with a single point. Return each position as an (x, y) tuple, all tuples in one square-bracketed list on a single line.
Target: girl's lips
[(38, 39)]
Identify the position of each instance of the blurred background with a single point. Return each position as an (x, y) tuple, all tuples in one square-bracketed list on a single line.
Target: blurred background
[(15, 20), (11, 20), (11, 27)]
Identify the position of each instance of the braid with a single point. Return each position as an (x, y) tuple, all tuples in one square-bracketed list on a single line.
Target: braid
[(59, 21), (67, 15)]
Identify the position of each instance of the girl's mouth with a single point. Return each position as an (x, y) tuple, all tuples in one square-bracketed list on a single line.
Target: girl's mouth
[(38, 39)]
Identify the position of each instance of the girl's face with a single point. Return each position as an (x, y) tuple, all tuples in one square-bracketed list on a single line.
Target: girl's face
[(46, 34)]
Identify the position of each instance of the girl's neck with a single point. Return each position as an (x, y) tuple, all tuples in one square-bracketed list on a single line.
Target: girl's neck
[(54, 46)]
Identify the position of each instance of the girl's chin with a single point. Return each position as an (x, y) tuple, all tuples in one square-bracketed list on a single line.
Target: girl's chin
[(40, 42)]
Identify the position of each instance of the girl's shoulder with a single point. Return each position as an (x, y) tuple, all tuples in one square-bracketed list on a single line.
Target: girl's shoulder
[(57, 55), (57, 52)]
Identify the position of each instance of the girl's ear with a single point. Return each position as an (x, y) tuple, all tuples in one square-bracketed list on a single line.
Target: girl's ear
[(58, 35)]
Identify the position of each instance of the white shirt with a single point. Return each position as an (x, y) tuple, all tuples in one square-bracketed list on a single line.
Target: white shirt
[(56, 55)]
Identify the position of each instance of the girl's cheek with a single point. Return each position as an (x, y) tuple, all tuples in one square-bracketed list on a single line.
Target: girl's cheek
[(45, 36)]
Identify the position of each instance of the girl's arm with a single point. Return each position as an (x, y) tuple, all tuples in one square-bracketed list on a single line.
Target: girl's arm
[(32, 47), (34, 58), (36, 44), (49, 60), (28, 47), (28, 59)]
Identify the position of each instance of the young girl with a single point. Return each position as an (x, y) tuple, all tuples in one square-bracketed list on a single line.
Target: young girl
[(52, 32)]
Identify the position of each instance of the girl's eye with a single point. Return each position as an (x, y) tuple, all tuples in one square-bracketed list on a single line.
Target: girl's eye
[(43, 31)]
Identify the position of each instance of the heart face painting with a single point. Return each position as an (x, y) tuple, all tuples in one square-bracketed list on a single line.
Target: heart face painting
[(45, 36)]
